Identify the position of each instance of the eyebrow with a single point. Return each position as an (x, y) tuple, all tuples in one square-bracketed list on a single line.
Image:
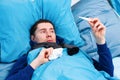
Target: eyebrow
[(51, 28), (45, 29)]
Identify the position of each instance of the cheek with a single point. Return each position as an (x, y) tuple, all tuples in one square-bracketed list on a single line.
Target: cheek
[(54, 36), (40, 37)]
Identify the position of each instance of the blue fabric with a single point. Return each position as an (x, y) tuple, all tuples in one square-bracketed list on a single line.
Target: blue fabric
[(58, 69), (102, 10), (59, 12), (21, 70), (17, 16), (4, 69), (116, 5), (105, 59)]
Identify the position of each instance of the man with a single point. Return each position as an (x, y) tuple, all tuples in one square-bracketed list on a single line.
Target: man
[(43, 31)]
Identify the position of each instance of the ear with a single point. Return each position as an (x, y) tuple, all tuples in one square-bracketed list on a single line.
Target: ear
[(32, 37)]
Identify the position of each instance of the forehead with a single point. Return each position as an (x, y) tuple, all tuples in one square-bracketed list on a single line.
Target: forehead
[(44, 25)]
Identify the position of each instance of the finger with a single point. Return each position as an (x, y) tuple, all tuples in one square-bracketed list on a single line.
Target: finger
[(95, 20), (42, 52), (48, 52), (100, 28), (91, 22), (92, 25), (51, 51), (46, 60), (97, 24)]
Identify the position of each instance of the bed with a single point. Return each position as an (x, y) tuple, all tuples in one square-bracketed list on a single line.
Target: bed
[(110, 17), (15, 23)]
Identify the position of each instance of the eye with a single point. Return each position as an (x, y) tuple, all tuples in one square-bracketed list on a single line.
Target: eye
[(43, 31), (52, 31)]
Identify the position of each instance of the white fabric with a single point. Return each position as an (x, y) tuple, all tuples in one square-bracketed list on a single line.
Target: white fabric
[(56, 53)]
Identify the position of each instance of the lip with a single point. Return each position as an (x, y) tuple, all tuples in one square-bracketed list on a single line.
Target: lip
[(49, 40)]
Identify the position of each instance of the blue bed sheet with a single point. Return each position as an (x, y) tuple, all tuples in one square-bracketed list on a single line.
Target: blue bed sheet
[(102, 10), (4, 69)]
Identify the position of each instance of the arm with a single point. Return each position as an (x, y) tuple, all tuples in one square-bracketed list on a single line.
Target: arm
[(20, 70), (23, 71), (105, 59)]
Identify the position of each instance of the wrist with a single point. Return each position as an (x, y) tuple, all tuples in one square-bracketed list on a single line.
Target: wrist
[(100, 41), (35, 63)]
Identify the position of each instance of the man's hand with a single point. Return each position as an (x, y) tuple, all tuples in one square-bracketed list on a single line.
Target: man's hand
[(98, 30), (41, 58)]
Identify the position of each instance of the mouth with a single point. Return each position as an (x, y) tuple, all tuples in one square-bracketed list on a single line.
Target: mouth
[(49, 40)]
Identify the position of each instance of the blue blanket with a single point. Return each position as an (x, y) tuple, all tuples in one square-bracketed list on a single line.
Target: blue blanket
[(67, 67)]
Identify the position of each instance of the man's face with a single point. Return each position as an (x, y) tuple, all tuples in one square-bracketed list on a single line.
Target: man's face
[(44, 33)]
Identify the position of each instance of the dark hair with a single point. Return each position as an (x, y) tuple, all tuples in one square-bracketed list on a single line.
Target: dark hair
[(34, 26)]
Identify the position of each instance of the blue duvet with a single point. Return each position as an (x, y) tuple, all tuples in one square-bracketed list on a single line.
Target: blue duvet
[(77, 67)]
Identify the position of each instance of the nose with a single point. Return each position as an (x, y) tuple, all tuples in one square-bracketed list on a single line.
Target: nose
[(48, 34)]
